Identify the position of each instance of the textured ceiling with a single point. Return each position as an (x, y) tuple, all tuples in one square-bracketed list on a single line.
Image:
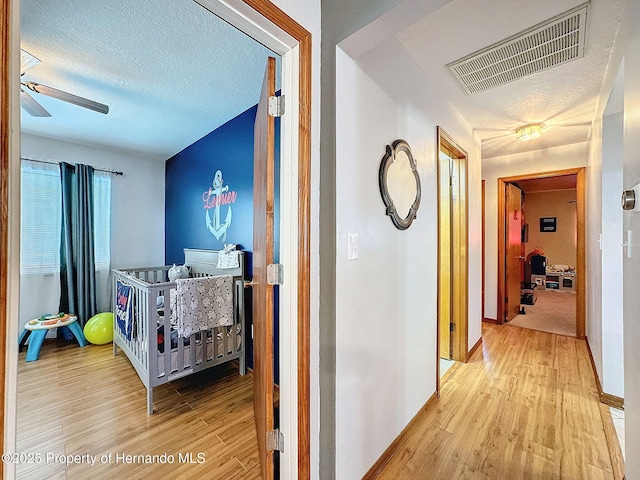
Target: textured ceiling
[(563, 98), (167, 82)]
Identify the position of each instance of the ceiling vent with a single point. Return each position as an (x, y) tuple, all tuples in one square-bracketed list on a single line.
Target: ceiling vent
[(553, 42)]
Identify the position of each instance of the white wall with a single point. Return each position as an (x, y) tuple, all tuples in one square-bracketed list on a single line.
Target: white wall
[(386, 299), (552, 159), (593, 280), (631, 175), (612, 373), (625, 58)]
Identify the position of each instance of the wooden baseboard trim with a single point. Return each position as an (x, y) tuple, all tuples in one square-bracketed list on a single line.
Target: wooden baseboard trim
[(612, 400), (491, 320), (593, 367), (606, 398), (377, 468), (474, 348)]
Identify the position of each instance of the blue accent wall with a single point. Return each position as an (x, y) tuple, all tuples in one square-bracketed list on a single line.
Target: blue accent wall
[(188, 177)]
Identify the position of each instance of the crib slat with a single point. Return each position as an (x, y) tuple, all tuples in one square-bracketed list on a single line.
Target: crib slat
[(192, 351), (180, 362), (214, 339), (167, 337)]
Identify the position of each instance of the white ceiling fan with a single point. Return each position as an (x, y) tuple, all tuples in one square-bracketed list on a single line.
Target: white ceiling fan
[(32, 107)]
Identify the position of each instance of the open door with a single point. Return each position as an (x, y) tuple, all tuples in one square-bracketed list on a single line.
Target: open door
[(445, 290), (513, 252), (453, 242), (263, 244)]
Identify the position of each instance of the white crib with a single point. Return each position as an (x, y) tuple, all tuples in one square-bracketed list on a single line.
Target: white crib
[(150, 348)]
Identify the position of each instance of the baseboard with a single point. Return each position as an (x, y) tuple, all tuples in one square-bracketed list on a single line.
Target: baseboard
[(377, 468), (612, 400), (491, 320), (606, 398), (593, 367), (474, 348)]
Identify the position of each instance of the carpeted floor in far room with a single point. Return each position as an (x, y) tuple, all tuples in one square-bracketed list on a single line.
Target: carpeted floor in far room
[(554, 312)]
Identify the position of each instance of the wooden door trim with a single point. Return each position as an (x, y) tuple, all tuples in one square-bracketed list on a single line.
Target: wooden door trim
[(272, 13), (461, 340), (580, 173), (483, 245), (5, 129), (263, 254), (280, 19)]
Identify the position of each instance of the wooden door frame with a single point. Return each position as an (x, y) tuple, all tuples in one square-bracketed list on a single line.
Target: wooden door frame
[(460, 340), (279, 21), (580, 173), (7, 33), (483, 246)]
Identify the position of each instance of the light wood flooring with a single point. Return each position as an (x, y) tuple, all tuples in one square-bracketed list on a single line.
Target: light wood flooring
[(76, 401), (524, 407)]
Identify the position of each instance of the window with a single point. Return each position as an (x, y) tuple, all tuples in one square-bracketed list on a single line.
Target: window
[(40, 218)]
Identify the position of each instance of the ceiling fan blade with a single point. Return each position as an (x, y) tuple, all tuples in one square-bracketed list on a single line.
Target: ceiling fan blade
[(27, 61), (31, 106), (67, 97)]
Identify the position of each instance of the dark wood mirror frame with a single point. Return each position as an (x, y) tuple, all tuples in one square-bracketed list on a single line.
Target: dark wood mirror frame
[(388, 159)]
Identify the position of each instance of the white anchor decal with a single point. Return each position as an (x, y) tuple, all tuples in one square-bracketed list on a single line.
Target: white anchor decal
[(216, 228)]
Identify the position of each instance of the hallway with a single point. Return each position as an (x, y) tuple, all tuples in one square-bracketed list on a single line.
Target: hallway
[(525, 406)]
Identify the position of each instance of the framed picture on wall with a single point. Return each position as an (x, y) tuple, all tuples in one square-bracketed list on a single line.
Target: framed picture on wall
[(547, 224)]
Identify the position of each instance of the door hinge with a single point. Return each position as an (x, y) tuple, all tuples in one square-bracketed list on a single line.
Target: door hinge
[(452, 327), (276, 106), (275, 274), (275, 441)]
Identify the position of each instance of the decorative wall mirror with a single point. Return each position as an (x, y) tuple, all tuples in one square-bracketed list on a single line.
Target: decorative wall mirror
[(400, 184)]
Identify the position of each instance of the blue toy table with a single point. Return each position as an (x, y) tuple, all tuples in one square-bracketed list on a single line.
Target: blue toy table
[(38, 327)]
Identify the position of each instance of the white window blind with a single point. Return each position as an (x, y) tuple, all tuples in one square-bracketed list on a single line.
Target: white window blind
[(40, 218), (102, 219)]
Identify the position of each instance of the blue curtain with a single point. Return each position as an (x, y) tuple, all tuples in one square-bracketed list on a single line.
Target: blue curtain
[(77, 257)]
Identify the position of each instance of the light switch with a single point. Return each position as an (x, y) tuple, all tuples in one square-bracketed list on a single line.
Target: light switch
[(352, 246)]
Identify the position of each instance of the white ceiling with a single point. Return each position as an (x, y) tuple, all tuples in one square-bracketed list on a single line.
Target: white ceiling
[(563, 99), (167, 82)]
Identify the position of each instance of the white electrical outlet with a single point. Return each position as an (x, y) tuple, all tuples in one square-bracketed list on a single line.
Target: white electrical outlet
[(352, 246)]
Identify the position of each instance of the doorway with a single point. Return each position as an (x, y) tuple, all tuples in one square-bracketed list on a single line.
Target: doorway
[(284, 36), (571, 278), (452, 252)]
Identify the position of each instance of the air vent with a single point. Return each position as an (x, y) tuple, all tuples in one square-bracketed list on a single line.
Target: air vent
[(548, 44)]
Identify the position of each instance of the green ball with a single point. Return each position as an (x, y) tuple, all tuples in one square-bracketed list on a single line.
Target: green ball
[(99, 329)]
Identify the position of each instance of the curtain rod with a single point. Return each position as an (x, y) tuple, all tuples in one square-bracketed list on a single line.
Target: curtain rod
[(113, 172)]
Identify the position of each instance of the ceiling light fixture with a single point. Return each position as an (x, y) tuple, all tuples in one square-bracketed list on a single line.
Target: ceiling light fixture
[(529, 132)]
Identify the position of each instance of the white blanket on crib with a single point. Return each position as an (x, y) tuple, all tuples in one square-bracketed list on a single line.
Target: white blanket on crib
[(203, 303)]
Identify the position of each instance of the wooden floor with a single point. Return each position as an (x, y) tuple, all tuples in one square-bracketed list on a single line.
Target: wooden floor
[(524, 407), (83, 401)]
